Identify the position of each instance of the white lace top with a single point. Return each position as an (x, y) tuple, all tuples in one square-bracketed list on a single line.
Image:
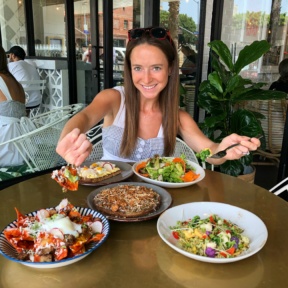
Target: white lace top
[(112, 137)]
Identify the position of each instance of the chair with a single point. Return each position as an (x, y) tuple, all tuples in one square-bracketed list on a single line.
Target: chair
[(32, 85), (38, 147), (95, 137), (280, 187), (182, 148)]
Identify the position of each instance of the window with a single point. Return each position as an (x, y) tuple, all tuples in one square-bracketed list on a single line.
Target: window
[(125, 24), (13, 24)]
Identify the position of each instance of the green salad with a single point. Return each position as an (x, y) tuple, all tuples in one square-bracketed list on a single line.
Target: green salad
[(211, 237), (174, 170), (204, 154)]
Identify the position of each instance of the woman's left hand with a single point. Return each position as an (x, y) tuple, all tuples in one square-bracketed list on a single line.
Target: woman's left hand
[(246, 144)]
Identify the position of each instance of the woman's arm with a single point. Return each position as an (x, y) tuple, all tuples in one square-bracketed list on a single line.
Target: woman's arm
[(73, 145), (195, 138)]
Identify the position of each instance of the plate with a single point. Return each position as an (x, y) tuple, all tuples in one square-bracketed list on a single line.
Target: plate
[(8, 251), (126, 172), (253, 226), (166, 201), (198, 170)]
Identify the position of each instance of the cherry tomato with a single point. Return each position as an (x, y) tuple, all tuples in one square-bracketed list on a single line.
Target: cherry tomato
[(175, 234)]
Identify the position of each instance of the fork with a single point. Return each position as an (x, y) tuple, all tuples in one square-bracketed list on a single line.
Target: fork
[(223, 153)]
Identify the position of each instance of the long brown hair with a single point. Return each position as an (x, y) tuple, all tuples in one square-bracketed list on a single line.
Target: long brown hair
[(3, 64), (3, 61), (168, 99)]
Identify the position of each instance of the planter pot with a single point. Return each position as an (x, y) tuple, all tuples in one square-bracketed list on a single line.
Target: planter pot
[(249, 176)]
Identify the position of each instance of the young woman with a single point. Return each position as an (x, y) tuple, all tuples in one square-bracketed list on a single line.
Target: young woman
[(12, 108), (142, 118)]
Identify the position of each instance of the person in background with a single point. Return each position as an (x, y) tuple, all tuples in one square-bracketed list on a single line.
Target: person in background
[(142, 118), (87, 55), (282, 83), (12, 108), (24, 71)]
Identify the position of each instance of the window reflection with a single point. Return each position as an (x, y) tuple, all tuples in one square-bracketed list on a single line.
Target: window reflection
[(13, 24), (182, 19), (49, 28), (247, 21)]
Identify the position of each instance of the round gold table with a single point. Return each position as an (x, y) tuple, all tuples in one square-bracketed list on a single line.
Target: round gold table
[(135, 256)]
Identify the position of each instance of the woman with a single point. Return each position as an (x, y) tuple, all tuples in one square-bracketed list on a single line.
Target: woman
[(12, 108), (143, 118)]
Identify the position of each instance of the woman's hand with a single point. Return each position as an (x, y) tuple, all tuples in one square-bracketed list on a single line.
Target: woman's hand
[(74, 147), (247, 144)]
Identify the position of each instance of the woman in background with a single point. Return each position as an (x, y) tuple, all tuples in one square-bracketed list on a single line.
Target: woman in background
[(12, 108)]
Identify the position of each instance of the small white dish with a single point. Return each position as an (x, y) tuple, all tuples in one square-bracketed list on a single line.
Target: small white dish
[(253, 226), (198, 170), (9, 252)]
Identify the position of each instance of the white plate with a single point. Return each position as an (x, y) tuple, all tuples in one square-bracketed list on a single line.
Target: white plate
[(8, 251), (126, 172), (253, 226), (198, 170)]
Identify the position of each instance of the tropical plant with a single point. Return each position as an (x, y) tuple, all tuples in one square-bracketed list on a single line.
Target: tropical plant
[(224, 92)]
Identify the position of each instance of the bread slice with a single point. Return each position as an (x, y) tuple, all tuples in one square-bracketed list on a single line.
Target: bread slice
[(127, 201), (97, 172), (99, 178)]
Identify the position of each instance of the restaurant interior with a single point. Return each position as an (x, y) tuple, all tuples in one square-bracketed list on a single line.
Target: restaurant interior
[(78, 48)]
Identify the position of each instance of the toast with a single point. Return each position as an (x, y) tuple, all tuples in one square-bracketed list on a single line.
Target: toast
[(97, 172)]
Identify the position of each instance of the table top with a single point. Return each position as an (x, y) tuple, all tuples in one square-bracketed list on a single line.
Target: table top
[(134, 255)]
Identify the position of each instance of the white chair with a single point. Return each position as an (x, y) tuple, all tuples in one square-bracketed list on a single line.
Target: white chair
[(280, 187), (33, 85), (95, 137), (182, 148), (38, 147)]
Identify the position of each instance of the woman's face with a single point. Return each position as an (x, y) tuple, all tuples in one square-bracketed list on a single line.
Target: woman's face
[(150, 70)]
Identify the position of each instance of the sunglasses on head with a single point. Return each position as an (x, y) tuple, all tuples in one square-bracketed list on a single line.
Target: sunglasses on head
[(156, 32)]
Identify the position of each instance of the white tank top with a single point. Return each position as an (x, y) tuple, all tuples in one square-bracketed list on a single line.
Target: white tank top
[(112, 137)]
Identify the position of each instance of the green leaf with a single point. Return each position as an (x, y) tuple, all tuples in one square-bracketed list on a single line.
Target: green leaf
[(215, 81), (221, 49), (232, 167), (259, 94), (244, 122), (251, 53)]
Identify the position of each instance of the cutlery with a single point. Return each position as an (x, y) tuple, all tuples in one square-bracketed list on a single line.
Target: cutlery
[(223, 153)]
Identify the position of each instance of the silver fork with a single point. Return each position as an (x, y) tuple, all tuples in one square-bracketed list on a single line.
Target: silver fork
[(223, 153)]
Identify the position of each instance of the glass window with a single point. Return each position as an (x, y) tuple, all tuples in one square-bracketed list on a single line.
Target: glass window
[(13, 24), (182, 19), (247, 21), (49, 28), (124, 11)]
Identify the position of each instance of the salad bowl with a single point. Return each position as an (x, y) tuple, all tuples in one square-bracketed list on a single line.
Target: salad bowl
[(253, 227), (197, 169)]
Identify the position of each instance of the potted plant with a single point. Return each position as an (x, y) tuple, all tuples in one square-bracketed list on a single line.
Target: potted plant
[(223, 93)]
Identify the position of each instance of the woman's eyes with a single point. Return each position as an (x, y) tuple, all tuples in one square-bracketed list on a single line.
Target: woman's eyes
[(136, 68), (155, 68)]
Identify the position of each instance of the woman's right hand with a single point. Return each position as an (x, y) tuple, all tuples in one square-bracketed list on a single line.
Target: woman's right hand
[(74, 147)]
